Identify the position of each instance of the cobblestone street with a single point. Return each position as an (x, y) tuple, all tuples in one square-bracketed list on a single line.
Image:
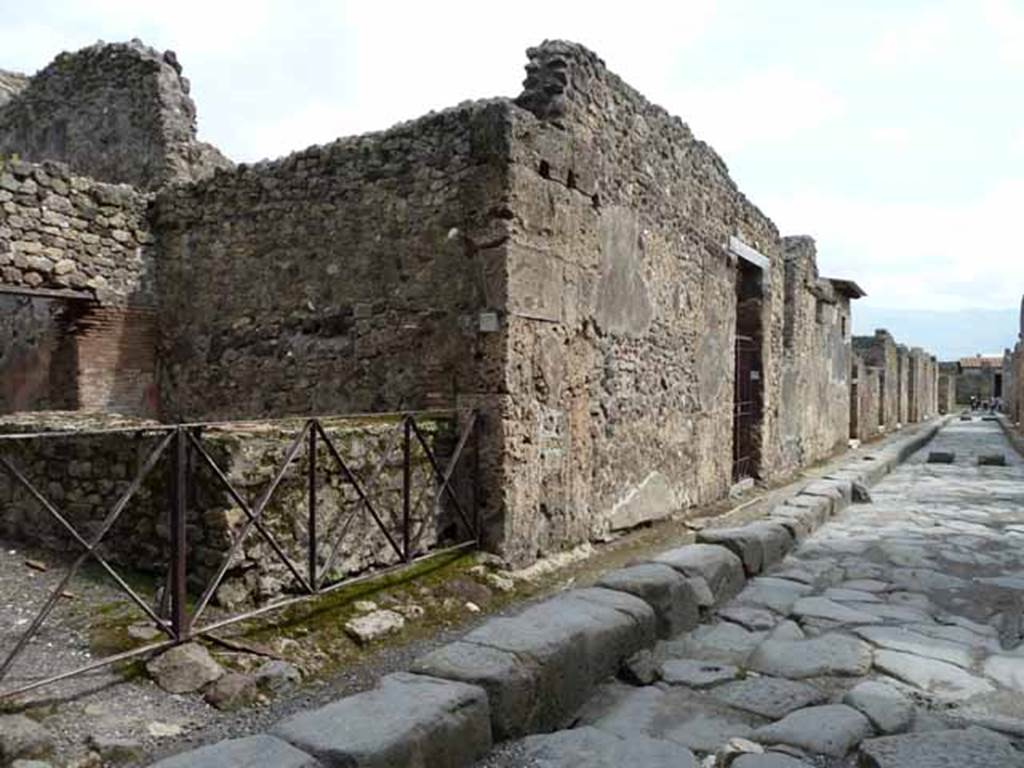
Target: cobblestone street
[(889, 639)]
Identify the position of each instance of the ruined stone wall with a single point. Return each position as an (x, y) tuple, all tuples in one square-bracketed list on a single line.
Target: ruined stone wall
[(90, 343), (84, 475), (118, 113), (880, 351), (865, 399), (64, 232), (35, 366), (346, 278), (947, 387), (11, 83), (978, 382), (622, 310), (816, 361)]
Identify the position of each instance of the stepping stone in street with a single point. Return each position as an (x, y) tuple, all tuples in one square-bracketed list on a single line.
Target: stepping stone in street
[(697, 674), (823, 608), (991, 460), (941, 457), (908, 641), (887, 708), (596, 748), (968, 748), (770, 697), (936, 677), (830, 654), (831, 729)]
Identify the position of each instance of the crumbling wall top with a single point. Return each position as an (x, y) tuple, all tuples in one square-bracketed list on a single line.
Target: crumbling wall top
[(119, 112)]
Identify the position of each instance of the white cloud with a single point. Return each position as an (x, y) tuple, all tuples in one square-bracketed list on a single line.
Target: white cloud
[(915, 39), (916, 256), (760, 108), (890, 136), (1006, 22)]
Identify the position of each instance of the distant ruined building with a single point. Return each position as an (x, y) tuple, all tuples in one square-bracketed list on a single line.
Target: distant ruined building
[(573, 263)]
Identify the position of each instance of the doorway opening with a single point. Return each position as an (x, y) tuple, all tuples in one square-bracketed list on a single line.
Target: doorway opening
[(748, 396)]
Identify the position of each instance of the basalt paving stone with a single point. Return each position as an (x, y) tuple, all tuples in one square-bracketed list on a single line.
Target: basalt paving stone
[(595, 748), (938, 678), (908, 641), (848, 595), (407, 720), (769, 697), (830, 729), (724, 642), (668, 592), (697, 674), (681, 715), (773, 593), (249, 752), (823, 608), (768, 760), (887, 708), (967, 748), (720, 568), (748, 617), (829, 654)]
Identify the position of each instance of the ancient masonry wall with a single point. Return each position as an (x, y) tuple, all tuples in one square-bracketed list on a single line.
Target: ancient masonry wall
[(83, 476), (622, 310), (880, 351), (947, 386), (903, 376), (816, 360), (87, 342), (118, 113), (360, 276), (865, 400), (978, 381)]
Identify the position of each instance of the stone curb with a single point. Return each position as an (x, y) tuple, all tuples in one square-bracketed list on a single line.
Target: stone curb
[(530, 673)]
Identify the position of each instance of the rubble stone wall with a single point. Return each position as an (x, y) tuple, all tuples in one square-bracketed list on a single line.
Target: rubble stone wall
[(865, 401), (816, 361), (117, 113), (622, 310), (351, 277), (880, 351), (86, 338), (976, 382), (947, 387), (83, 476)]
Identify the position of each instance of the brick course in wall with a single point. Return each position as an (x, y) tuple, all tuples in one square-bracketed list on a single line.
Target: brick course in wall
[(83, 335)]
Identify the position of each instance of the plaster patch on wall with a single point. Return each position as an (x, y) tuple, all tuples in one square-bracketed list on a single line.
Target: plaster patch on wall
[(623, 298), (651, 500)]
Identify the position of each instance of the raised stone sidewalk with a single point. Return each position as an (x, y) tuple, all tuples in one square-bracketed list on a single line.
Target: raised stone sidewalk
[(766, 664)]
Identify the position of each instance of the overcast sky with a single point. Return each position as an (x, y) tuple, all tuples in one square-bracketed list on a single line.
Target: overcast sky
[(893, 132)]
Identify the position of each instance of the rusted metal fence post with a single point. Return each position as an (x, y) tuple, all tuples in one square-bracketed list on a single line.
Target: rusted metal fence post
[(311, 473), (179, 543), (407, 487)]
